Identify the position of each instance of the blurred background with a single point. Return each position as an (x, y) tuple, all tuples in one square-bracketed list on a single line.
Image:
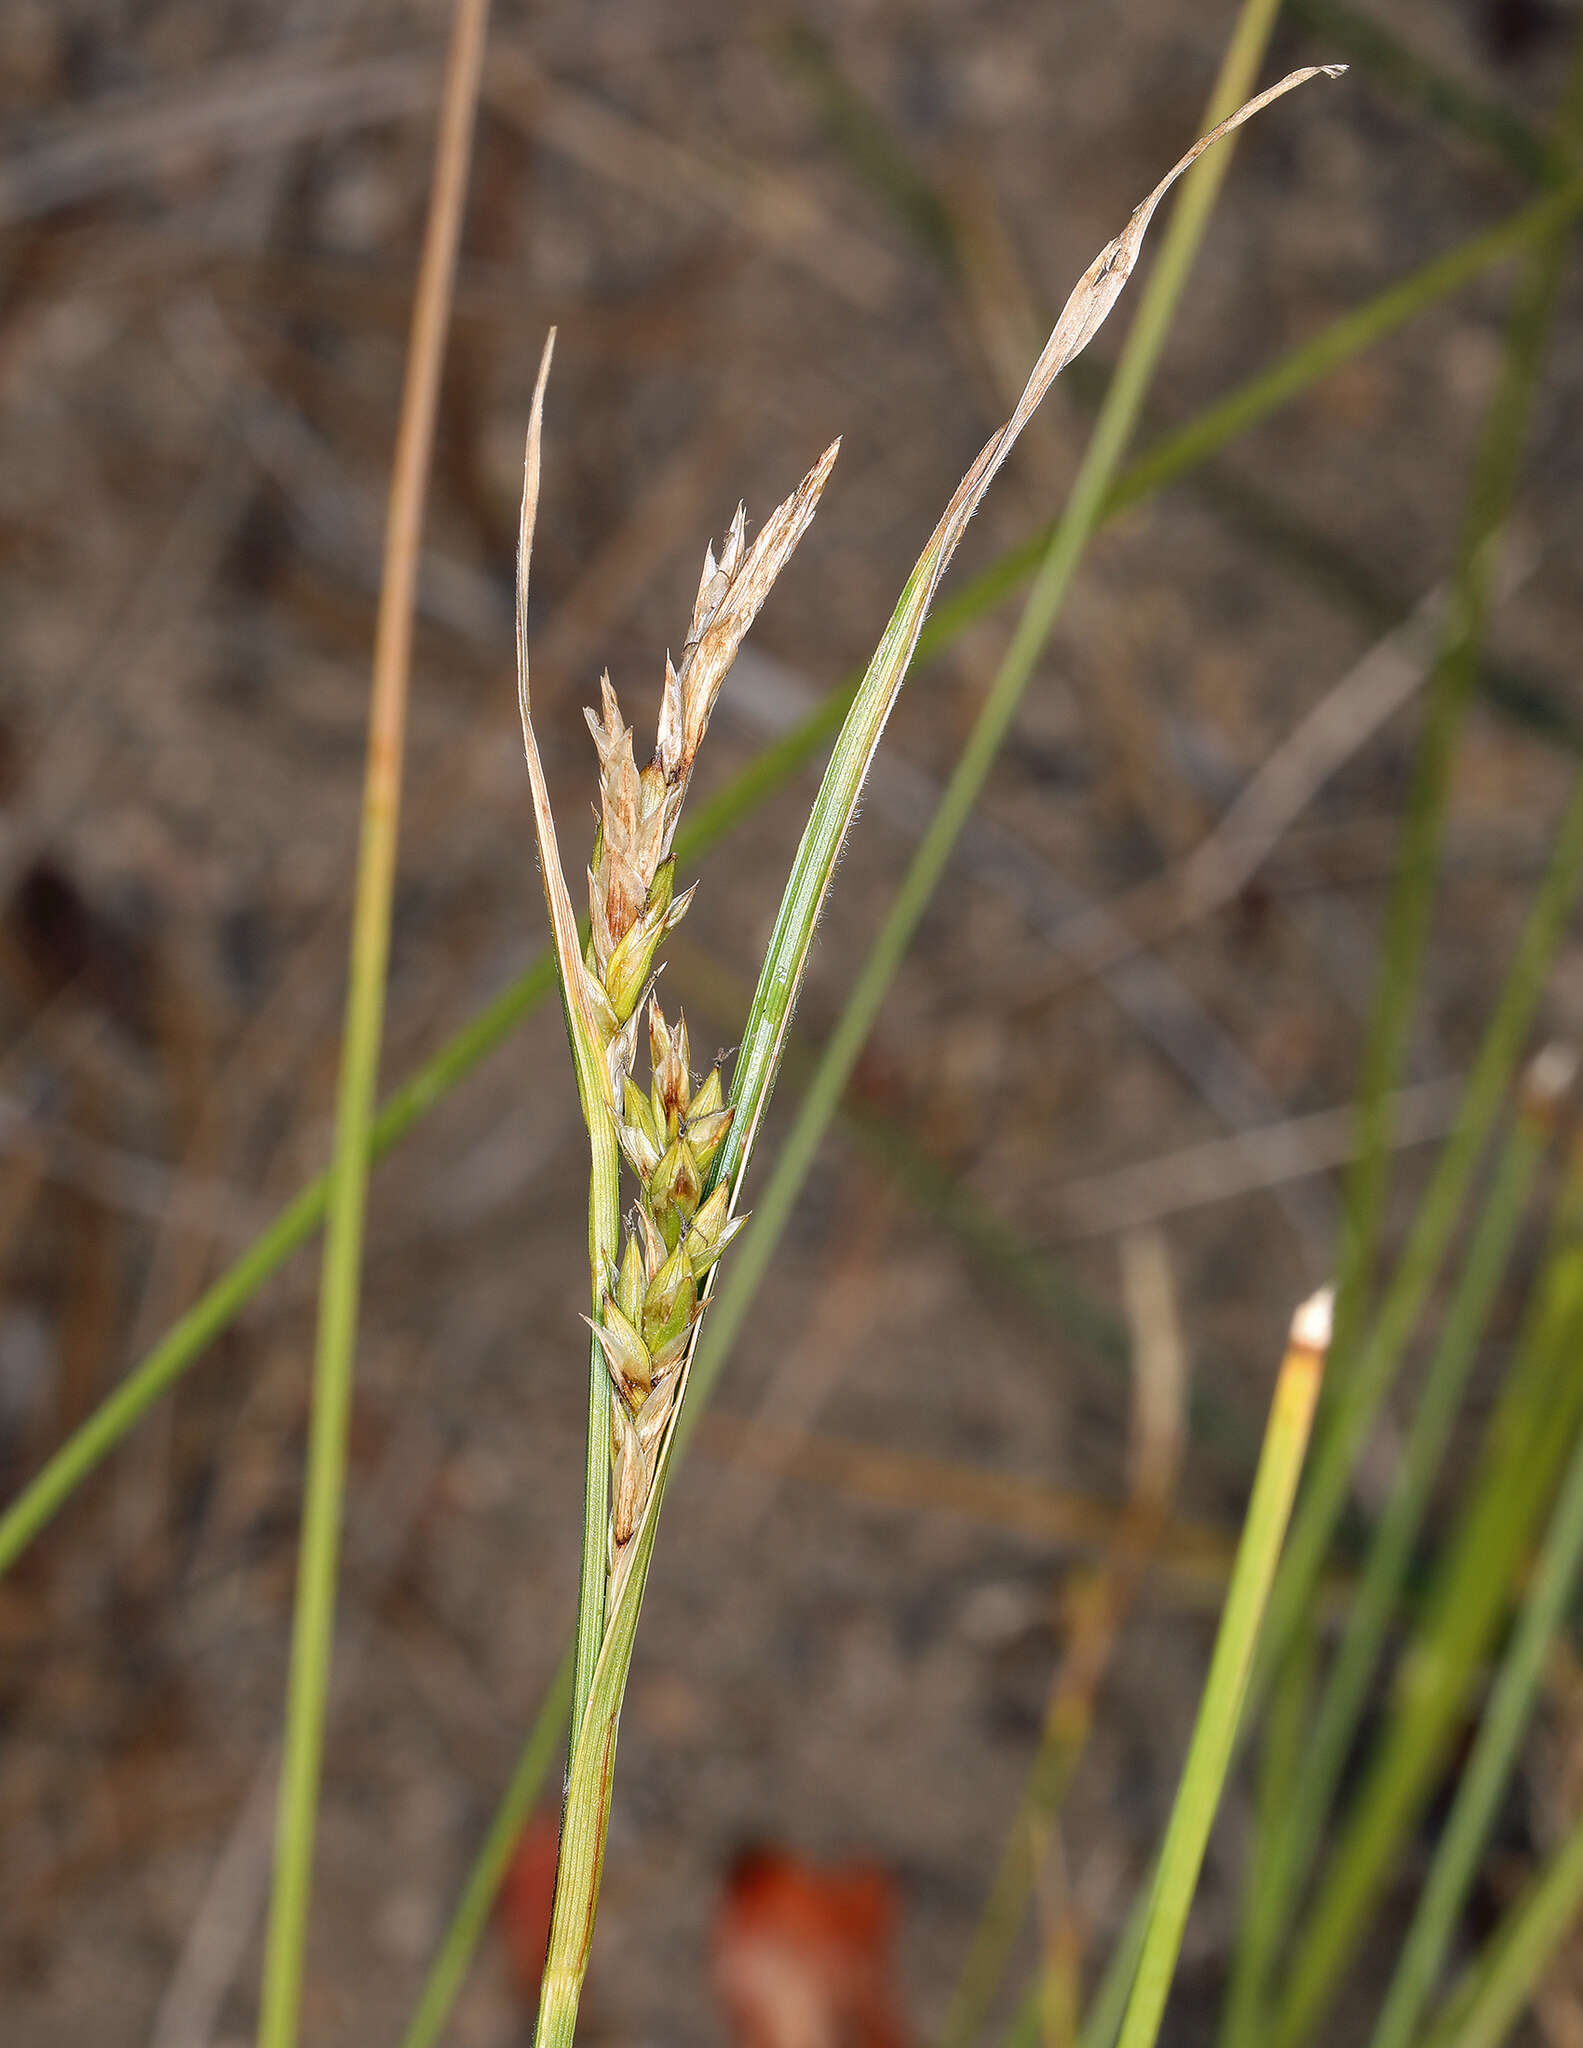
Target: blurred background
[(1101, 1111)]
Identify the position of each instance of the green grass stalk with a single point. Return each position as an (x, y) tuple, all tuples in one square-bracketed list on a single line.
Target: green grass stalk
[(1282, 1762), (1309, 1793), (340, 1286), (1540, 1410), (1488, 1769), (1492, 1992), (1220, 1710), (1363, 1371)]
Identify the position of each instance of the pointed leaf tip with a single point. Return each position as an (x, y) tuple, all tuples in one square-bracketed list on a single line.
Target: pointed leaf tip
[(587, 1039)]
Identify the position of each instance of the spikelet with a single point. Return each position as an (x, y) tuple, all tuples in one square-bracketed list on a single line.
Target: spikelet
[(632, 902), (650, 1303), (670, 1134)]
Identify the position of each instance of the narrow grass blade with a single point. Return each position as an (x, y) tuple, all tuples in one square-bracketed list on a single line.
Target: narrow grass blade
[(1308, 1794), (1108, 2006), (1539, 1412), (1488, 1769), (1215, 1731), (448, 1971), (593, 1085), (1283, 1756), (1491, 1996), (1171, 459), (314, 1614)]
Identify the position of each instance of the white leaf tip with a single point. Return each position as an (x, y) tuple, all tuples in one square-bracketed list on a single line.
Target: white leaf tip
[(1314, 1321)]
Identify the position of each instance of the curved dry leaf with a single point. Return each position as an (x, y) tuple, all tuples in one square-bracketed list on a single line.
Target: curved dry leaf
[(587, 1039)]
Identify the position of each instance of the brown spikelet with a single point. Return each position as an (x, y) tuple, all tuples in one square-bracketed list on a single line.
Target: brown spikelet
[(730, 595)]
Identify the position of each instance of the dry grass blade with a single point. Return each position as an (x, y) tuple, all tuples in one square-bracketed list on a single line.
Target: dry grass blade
[(563, 920), (1103, 282), (313, 1619)]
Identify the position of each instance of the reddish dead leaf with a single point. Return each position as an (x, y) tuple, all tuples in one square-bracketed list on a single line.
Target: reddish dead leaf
[(802, 1957), (526, 1896)]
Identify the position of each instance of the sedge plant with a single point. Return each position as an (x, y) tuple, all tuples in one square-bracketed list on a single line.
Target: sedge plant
[(1177, 455), (686, 1145)]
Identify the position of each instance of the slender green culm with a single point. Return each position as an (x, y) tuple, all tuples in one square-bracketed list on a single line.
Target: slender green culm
[(1540, 1409), (1365, 1368), (1488, 1769), (1220, 1710), (1309, 1792), (1173, 458), (1339, 1914), (1283, 1762), (313, 1618), (1498, 1984)]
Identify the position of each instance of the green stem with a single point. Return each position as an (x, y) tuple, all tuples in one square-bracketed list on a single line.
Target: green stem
[(1481, 2012), (1364, 1372), (1282, 1761), (1488, 1769), (1309, 1792), (1542, 221), (1540, 1410), (1220, 1710), (1356, 1389)]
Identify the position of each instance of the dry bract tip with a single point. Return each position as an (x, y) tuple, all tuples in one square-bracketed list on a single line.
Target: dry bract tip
[(632, 878), (1314, 1321)]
